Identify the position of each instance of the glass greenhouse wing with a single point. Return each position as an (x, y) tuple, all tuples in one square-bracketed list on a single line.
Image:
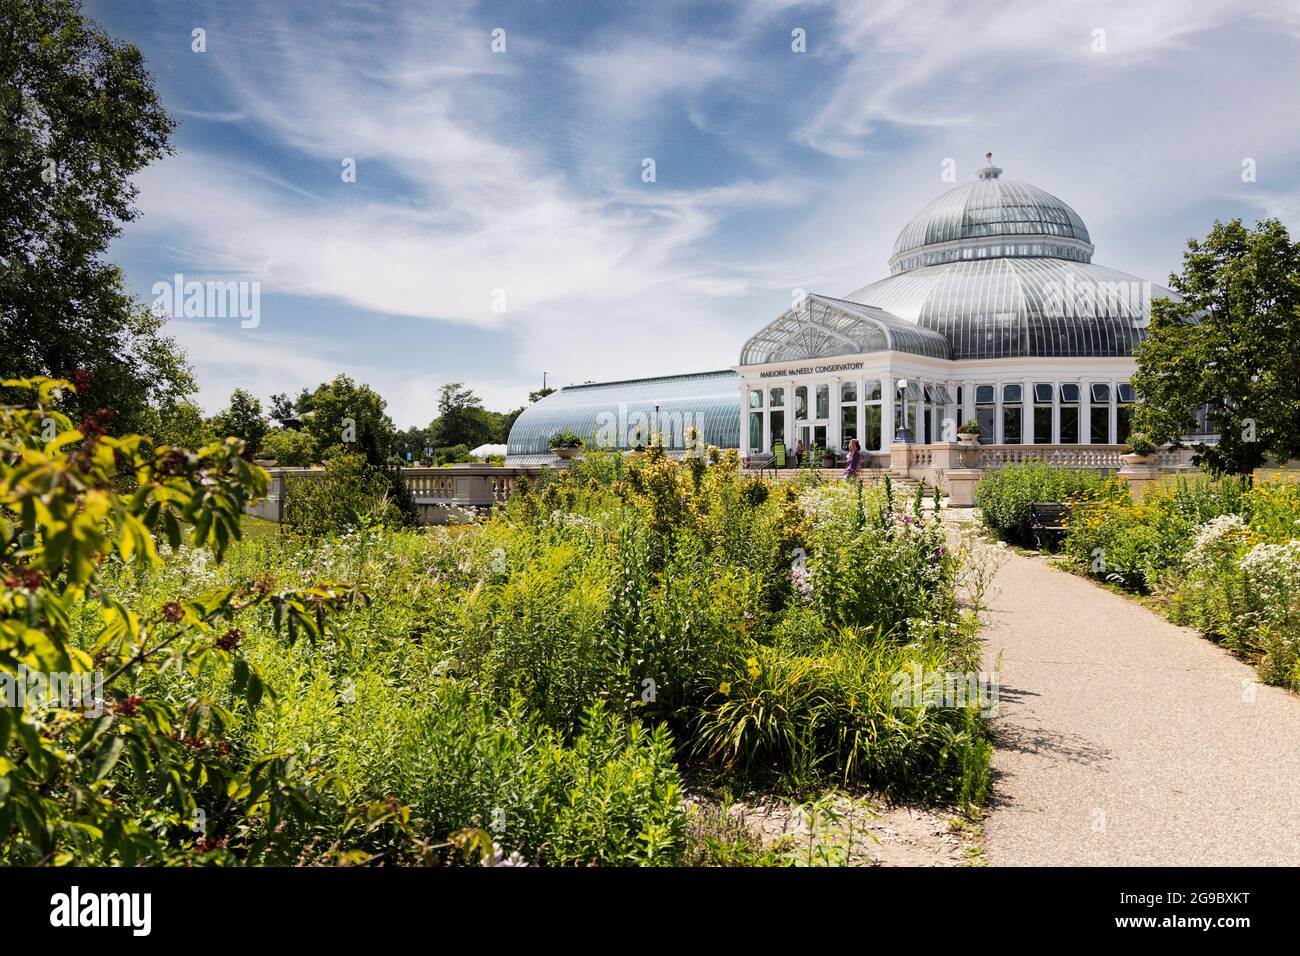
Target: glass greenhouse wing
[(622, 415), (822, 327)]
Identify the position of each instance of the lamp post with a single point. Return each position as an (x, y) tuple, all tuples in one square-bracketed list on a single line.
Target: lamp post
[(904, 434)]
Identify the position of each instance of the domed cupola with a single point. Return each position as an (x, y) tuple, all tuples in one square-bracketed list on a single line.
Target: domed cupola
[(989, 218)]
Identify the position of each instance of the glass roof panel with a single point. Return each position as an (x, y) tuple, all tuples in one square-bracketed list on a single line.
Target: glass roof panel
[(822, 327)]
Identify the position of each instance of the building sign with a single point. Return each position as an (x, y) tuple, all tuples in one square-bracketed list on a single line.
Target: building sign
[(811, 370)]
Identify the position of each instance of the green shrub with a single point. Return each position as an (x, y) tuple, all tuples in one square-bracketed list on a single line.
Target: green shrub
[(565, 439), (1223, 556), (349, 493), (1136, 544), (1005, 494), (289, 447)]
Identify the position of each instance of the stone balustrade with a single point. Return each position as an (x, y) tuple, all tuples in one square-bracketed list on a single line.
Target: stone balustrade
[(957, 466), (440, 494), (458, 491)]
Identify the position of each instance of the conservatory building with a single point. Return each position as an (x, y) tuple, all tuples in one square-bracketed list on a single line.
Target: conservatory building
[(993, 311)]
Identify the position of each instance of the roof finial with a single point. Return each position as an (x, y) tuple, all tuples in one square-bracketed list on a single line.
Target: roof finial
[(990, 171), (989, 157)]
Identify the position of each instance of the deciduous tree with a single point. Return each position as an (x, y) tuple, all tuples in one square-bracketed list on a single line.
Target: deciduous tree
[(1232, 344), (79, 117)]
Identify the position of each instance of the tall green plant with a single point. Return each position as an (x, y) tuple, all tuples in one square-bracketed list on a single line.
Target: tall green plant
[(123, 775)]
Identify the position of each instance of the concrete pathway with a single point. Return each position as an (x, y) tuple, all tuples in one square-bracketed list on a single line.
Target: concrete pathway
[(1124, 740)]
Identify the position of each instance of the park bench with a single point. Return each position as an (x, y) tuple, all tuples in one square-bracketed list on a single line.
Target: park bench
[(1053, 518), (1047, 519)]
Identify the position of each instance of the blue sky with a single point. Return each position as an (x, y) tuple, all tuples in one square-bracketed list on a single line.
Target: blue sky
[(516, 176)]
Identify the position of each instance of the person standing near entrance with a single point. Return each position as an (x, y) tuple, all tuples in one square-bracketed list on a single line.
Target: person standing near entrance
[(855, 459), (798, 453)]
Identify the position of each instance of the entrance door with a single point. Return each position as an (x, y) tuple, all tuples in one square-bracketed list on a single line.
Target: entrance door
[(814, 436), (812, 412)]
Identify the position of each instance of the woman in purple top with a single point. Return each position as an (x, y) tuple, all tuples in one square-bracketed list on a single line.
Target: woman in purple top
[(855, 458)]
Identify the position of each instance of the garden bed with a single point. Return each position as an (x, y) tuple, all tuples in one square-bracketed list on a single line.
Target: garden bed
[(530, 689)]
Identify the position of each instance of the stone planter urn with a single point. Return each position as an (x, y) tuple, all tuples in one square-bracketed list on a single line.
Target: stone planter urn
[(828, 460), (633, 455), (968, 436), (1131, 459), (566, 452), (264, 462)]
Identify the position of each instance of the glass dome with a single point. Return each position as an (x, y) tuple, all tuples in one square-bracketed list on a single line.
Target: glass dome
[(1007, 306), (1003, 269), (988, 217)]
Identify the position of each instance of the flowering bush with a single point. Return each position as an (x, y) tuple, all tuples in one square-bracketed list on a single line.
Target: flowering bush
[(1273, 574), (1217, 542), (1224, 556)]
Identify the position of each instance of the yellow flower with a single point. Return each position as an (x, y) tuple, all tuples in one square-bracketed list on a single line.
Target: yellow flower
[(724, 688), (753, 667)]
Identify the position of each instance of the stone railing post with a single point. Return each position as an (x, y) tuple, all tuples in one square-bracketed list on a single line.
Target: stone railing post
[(900, 459), (1142, 474)]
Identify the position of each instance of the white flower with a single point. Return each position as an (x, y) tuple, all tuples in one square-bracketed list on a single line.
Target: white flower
[(499, 858), (1215, 541), (1273, 571)]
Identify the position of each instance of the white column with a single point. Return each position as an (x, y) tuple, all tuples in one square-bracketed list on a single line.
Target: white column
[(744, 421), (997, 413), (789, 418), (1056, 411), (766, 430), (918, 410), (887, 397), (950, 410), (1027, 412), (1114, 413), (1085, 412), (833, 411)]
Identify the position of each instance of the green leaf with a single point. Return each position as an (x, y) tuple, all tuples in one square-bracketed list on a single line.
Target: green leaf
[(107, 756), (172, 528), (255, 689)]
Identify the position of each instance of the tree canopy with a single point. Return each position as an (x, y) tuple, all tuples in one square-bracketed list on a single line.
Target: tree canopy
[(242, 419), (79, 117), (462, 419), (342, 412), (1231, 345)]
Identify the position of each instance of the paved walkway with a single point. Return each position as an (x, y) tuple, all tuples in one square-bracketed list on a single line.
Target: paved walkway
[(1124, 740)]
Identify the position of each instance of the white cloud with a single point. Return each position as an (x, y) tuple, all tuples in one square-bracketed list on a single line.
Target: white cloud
[(265, 363), (463, 188)]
